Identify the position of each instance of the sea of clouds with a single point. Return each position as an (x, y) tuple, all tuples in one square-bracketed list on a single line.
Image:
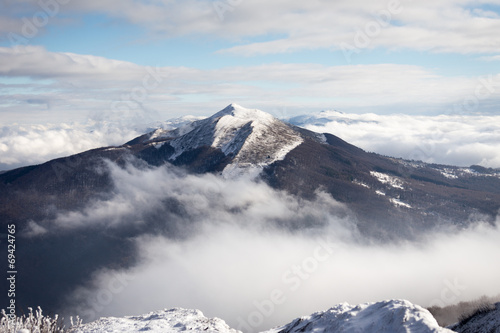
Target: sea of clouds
[(22, 145), (452, 139), (258, 257), (461, 140)]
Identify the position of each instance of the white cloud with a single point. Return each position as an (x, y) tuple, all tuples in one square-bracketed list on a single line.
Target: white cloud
[(438, 26), (33, 144), (204, 198), (68, 87), (234, 257), (490, 58), (26, 60), (227, 270), (461, 140)]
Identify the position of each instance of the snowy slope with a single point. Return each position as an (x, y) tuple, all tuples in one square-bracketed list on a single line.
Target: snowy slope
[(166, 321), (484, 322), (392, 316), (253, 138)]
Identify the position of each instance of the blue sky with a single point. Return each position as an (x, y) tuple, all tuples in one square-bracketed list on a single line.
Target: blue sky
[(65, 60)]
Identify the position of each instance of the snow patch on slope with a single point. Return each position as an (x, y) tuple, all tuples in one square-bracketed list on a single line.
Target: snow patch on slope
[(387, 179), (394, 316), (360, 183), (171, 321), (454, 173), (397, 202), (448, 173)]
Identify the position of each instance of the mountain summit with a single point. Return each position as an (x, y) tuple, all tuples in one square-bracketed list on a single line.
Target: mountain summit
[(252, 139)]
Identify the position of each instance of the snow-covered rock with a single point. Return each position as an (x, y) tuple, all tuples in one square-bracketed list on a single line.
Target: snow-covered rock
[(165, 321), (392, 316)]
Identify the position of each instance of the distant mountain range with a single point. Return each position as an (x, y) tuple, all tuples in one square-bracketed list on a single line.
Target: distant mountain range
[(389, 198)]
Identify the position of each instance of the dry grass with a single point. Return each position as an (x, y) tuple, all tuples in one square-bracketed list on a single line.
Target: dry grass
[(35, 323)]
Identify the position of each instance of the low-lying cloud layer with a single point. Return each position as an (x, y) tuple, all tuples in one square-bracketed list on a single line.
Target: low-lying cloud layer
[(260, 279), (22, 145), (257, 257), (461, 140), (190, 201), (453, 139)]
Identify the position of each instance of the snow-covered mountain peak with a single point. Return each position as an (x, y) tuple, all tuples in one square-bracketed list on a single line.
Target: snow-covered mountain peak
[(255, 139), (250, 137), (238, 112)]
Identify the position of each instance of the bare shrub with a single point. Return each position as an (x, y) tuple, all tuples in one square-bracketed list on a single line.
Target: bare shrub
[(35, 323)]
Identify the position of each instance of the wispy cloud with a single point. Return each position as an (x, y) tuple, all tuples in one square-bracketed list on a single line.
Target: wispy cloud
[(490, 58), (74, 85), (199, 198), (439, 26)]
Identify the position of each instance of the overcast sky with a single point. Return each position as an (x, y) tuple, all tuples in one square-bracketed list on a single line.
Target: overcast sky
[(137, 61)]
